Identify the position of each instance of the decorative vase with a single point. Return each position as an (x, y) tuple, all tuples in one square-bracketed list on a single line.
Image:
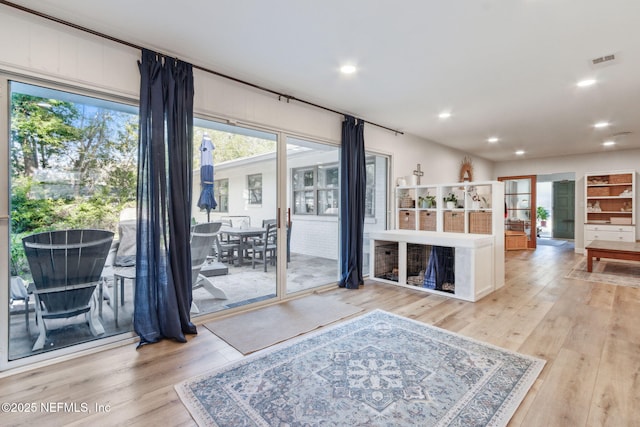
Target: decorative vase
[(451, 205)]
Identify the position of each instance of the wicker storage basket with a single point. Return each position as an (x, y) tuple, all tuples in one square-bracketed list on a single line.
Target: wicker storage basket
[(428, 221), (624, 178), (406, 220), (597, 191), (406, 202), (454, 222), (480, 222)]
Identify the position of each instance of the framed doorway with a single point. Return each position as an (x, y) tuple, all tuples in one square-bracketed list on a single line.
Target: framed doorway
[(564, 209), (520, 206)]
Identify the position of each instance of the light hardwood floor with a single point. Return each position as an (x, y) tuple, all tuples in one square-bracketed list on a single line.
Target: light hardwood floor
[(589, 333)]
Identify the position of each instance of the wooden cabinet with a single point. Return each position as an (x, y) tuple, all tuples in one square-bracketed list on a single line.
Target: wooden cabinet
[(520, 215), (610, 206)]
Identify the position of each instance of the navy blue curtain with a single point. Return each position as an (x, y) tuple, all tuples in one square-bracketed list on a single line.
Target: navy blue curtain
[(352, 196), (441, 268), (163, 291)]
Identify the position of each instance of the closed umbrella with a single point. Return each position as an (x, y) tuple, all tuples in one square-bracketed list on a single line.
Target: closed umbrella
[(207, 200)]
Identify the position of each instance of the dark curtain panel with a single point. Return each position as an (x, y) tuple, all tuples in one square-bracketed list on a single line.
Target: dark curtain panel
[(440, 274), (163, 259), (352, 197)]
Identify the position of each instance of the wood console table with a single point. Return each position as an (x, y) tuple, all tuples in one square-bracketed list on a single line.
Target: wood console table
[(629, 251)]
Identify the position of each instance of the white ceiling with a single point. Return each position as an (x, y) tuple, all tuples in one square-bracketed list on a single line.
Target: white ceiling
[(502, 67)]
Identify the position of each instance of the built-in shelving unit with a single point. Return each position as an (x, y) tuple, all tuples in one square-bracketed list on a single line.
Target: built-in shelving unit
[(465, 262), (470, 207), (462, 239), (610, 206)]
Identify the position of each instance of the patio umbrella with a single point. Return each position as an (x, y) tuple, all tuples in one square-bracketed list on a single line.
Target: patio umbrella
[(207, 200)]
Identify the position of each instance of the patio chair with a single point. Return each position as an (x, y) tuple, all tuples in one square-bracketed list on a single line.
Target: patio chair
[(203, 237), (126, 250), (66, 267), (289, 226), (224, 237), (237, 221), (266, 222), (265, 247), (106, 278), (226, 251), (19, 292)]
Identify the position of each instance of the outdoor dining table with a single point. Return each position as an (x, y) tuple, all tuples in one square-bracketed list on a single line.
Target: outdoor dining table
[(243, 234)]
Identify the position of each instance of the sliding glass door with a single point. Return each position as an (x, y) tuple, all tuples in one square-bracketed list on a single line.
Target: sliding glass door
[(72, 159), (313, 197), (312, 230), (242, 261), (72, 166)]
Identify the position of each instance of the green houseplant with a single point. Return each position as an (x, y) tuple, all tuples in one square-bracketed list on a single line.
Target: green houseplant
[(427, 201), (542, 215), (451, 201)]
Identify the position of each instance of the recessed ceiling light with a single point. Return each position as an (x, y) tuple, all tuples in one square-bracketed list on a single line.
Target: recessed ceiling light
[(609, 143), (493, 139), (445, 115), (600, 125), (348, 69), (586, 82), (519, 152)]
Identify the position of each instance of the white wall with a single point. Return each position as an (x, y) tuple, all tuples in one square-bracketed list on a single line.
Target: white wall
[(52, 52), (440, 164), (605, 162)]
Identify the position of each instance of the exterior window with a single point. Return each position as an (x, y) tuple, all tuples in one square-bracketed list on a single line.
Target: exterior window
[(221, 191), (254, 186), (316, 189), (328, 187), (370, 199), (303, 183)]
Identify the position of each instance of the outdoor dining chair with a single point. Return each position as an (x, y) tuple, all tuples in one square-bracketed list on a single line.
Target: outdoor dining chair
[(265, 247)]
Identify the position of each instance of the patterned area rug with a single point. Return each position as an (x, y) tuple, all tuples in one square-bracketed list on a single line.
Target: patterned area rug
[(608, 271), (377, 369)]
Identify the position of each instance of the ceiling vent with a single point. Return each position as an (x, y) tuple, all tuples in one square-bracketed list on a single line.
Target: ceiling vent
[(605, 60)]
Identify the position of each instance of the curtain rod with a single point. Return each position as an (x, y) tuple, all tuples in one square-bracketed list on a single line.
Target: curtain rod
[(207, 70)]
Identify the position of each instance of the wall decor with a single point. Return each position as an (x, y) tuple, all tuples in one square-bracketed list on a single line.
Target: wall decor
[(466, 169)]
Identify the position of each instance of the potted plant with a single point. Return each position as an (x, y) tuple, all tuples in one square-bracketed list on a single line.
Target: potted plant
[(451, 201), (427, 202), (542, 215)]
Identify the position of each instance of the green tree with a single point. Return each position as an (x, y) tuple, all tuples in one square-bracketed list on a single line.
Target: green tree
[(123, 168), (231, 146), (41, 128)]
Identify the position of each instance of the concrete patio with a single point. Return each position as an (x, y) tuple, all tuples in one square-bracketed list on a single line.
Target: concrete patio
[(243, 285)]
